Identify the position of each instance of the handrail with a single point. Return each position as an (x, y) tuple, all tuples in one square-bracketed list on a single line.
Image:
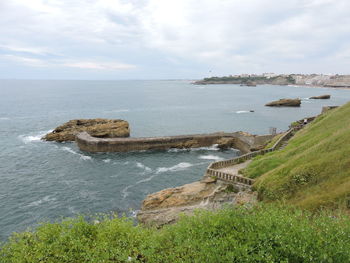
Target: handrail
[(212, 168)]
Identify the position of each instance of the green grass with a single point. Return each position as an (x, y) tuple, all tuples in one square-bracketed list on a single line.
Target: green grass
[(261, 234), (273, 141), (313, 170)]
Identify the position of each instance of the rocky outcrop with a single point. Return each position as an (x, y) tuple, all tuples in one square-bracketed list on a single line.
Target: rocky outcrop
[(321, 97), (165, 207), (285, 102), (101, 128)]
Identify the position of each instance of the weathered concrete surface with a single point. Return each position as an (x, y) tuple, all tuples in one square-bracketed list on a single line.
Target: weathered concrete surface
[(285, 102), (235, 168), (238, 140), (165, 207), (103, 128)]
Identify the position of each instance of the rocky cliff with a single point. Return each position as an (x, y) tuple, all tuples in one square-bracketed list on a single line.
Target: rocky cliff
[(101, 128), (165, 207)]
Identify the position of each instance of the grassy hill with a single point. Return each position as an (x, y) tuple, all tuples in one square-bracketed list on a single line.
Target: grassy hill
[(266, 233), (313, 171)]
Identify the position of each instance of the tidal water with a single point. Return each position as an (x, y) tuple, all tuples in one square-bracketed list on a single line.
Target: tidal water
[(42, 181)]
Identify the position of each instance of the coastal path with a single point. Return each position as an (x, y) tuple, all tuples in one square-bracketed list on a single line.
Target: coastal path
[(228, 170)]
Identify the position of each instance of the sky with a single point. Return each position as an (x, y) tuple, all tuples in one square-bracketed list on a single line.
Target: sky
[(171, 39)]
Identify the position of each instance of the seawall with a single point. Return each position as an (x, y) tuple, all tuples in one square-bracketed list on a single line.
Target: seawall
[(238, 140)]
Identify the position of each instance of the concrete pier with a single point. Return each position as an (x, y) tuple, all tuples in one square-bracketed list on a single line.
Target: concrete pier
[(238, 140)]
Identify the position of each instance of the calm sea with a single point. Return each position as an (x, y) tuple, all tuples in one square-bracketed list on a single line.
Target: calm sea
[(45, 180)]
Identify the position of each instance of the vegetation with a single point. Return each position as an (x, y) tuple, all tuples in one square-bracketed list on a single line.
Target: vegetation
[(252, 78), (273, 141), (261, 234), (313, 170)]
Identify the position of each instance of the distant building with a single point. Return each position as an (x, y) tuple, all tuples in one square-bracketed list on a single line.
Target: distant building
[(269, 75)]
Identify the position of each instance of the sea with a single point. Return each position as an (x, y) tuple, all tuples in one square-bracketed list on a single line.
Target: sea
[(47, 181)]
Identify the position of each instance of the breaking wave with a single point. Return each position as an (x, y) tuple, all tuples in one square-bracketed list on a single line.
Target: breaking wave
[(214, 147), (210, 157), (142, 166), (33, 138), (177, 167), (82, 156)]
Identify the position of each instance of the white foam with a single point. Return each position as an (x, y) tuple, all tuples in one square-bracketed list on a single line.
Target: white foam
[(214, 147), (82, 156), (242, 111), (134, 213), (33, 138), (106, 160), (125, 191), (142, 166), (177, 167), (210, 157), (43, 200)]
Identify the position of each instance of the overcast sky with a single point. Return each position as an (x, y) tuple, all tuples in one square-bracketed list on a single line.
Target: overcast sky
[(167, 39)]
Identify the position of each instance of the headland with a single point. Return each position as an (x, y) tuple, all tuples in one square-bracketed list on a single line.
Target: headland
[(319, 80)]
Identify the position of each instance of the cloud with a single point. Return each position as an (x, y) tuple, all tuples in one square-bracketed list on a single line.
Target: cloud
[(99, 65), (32, 62), (90, 65), (228, 36)]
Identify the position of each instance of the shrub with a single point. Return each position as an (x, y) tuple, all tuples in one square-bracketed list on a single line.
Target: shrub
[(264, 233)]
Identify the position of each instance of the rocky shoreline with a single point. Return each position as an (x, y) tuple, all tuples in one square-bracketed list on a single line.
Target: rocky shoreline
[(166, 206), (309, 80)]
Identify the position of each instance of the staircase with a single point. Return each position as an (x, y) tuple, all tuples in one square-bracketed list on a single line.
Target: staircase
[(227, 170)]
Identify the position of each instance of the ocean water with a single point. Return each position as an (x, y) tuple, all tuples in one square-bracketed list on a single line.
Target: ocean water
[(42, 181)]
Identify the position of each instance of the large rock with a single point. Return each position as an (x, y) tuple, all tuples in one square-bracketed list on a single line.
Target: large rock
[(321, 97), (102, 128), (165, 207), (285, 102)]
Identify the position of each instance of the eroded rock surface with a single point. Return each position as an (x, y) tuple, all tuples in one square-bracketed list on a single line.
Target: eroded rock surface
[(285, 102), (102, 128), (165, 207)]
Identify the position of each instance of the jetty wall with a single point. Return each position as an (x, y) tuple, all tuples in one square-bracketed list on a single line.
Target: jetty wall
[(238, 140)]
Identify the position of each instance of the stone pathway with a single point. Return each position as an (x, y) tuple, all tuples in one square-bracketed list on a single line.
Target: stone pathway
[(235, 168)]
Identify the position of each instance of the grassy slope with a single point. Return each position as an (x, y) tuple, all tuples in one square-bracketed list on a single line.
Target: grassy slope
[(313, 171), (263, 234)]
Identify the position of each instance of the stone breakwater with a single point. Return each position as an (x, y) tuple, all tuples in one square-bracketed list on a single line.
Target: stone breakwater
[(239, 140)]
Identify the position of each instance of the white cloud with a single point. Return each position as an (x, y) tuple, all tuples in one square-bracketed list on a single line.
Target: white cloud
[(33, 62), (229, 35), (99, 65), (91, 65)]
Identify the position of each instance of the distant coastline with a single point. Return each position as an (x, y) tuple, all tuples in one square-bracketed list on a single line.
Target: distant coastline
[(309, 80)]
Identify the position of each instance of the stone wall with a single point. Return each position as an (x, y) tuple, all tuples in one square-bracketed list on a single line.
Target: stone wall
[(239, 140)]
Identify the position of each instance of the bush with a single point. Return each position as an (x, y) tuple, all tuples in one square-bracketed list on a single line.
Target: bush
[(262, 234)]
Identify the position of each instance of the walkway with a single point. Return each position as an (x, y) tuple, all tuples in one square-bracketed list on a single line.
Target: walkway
[(227, 170), (235, 168)]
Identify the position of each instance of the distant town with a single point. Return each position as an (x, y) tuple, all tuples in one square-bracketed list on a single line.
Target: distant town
[(321, 80)]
